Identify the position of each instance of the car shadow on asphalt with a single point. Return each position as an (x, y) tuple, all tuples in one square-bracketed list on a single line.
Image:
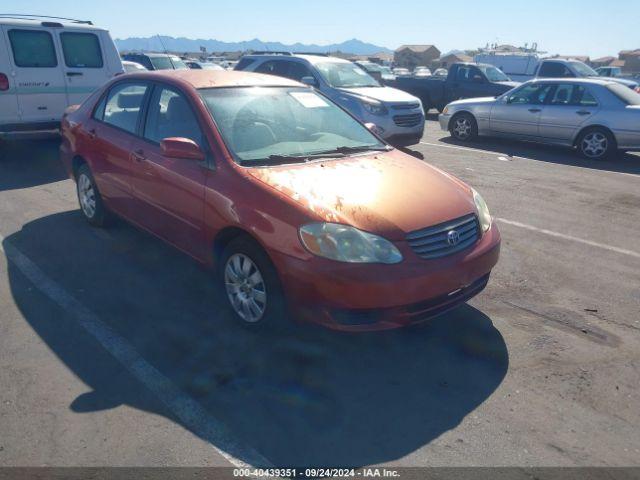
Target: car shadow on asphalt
[(621, 163), (304, 397), (29, 163)]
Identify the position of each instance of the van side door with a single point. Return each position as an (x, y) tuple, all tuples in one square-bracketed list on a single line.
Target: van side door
[(83, 61), (36, 70)]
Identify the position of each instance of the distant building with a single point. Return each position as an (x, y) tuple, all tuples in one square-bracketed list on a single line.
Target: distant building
[(411, 56), (448, 60), (631, 59)]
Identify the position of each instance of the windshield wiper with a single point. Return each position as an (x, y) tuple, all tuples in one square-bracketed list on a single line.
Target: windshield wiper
[(364, 148), (277, 159)]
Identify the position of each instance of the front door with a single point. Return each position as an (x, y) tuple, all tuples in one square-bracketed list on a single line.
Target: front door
[(36, 73), (570, 107), (170, 190), (85, 68), (518, 114)]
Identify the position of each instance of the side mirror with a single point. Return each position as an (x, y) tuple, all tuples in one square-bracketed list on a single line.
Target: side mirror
[(309, 80), (184, 148)]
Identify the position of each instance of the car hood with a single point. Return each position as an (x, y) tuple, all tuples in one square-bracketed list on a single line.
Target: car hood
[(510, 83), (387, 193), (474, 101), (622, 81), (382, 94)]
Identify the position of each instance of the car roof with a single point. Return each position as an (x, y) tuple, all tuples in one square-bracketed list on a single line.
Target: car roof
[(218, 78), (42, 22), (313, 59), (589, 81)]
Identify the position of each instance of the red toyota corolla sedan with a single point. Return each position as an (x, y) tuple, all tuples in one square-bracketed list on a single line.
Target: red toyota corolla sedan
[(299, 207)]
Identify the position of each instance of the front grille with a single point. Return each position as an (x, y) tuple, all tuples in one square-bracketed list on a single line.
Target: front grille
[(405, 106), (440, 240), (410, 120)]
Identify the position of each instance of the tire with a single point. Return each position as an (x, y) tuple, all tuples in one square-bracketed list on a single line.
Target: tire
[(252, 291), (89, 199), (463, 127), (596, 144)]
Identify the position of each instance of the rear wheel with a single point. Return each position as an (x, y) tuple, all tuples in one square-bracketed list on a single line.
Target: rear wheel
[(596, 144), (253, 291), (463, 127), (91, 204)]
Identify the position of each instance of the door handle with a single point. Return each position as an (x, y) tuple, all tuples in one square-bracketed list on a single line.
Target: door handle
[(583, 113), (138, 156), (74, 74), (535, 110)]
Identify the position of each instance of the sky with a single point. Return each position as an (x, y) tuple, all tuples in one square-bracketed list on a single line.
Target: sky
[(566, 27)]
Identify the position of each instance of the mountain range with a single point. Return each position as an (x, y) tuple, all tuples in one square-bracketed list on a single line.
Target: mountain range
[(181, 44)]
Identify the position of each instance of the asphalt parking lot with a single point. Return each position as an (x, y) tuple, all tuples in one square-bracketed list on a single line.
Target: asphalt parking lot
[(113, 351)]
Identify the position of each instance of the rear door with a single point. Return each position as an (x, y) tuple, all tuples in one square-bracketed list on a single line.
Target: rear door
[(569, 107), (518, 114), (36, 70), (8, 97), (84, 64)]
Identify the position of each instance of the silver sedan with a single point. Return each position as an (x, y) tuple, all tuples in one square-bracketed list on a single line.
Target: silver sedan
[(597, 117)]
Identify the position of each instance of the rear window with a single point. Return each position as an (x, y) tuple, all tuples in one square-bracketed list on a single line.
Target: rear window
[(628, 96), (81, 50), (244, 63), (33, 49)]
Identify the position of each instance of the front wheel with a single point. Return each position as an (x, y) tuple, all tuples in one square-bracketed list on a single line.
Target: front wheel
[(463, 127), (251, 283), (596, 144)]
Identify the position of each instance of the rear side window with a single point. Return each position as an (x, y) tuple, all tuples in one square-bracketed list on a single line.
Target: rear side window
[(123, 105), (81, 50), (33, 49), (572, 95), (244, 63)]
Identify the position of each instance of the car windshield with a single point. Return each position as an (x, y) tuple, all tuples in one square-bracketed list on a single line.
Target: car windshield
[(168, 63), (270, 125), (494, 74), (625, 94), (583, 70), (345, 75)]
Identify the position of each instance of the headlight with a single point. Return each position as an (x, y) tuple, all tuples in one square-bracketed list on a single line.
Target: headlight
[(373, 106), (347, 244), (483, 211)]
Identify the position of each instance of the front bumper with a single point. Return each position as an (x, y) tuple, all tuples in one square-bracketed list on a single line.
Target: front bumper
[(444, 119), (353, 297), (393, 128)]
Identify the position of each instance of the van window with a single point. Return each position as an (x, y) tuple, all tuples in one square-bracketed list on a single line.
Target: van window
[(171, 116), (123, 106), (81, 50), (33, 49)]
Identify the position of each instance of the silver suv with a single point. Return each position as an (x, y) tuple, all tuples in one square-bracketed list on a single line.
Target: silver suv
[(398, 116)]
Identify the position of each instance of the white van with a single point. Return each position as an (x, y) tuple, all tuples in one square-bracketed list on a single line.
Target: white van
[(46, 65)]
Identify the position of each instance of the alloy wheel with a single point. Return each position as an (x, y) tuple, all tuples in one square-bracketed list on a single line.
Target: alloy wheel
[(595, 144), (462, 128), (245, 287), (87, 196)]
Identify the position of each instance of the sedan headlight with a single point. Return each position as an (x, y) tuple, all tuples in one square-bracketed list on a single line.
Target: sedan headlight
[(483, 211), (347, 244), (374, 107)]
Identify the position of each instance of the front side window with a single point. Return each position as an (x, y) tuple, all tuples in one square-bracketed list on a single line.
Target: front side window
[(345, 75), (33, 49), (81, 50), (531, 94), (123, 105), (583, 69), (259, 123), (171, 116)]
